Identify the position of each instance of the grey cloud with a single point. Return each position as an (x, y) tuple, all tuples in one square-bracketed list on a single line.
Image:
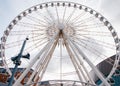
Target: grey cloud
[(111, 8)]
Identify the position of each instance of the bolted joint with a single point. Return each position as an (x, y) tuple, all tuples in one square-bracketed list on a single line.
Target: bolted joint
[(27, 38), (14, 58), (17, 62)]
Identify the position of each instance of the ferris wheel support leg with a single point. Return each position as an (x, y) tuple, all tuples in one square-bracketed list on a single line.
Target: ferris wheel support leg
[(74, 61), (38, 66), (46, 61), (80, 60), (81, 63), (44, 69), (97, 72), (17, 83)]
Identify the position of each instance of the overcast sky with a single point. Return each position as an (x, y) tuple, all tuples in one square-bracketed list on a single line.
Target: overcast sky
[(9, 9)]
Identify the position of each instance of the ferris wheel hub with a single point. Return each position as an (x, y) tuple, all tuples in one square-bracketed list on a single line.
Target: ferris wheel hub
[(61, 26), (66, 28)]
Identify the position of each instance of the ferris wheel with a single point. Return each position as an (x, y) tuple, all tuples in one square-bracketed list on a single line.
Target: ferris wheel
[(61, 33)]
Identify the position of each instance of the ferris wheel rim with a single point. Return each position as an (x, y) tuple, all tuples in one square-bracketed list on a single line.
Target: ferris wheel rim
[(55, 3)]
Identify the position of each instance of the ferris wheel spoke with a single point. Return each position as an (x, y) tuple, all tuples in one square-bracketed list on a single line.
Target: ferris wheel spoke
[(19, 42), (94, 42), (27, 33), (91, 49), (87, 31), (99, 41), (51, 19), (93, 34), (31, 48), (78, 17), (57, 14), (81, 27), (63, 18), (14, 33), (36, 20), (47, 20), (36, 45), (38, 39), (31, 26), (70, 16), (8, 46), (94, 51), (88, 48), (12, 44), (83, 21), (11, 34)]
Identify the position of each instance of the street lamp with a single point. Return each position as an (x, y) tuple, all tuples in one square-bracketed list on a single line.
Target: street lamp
[(17, 62)]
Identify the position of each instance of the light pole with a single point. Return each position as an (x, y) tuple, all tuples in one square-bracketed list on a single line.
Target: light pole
[(17, 62)]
